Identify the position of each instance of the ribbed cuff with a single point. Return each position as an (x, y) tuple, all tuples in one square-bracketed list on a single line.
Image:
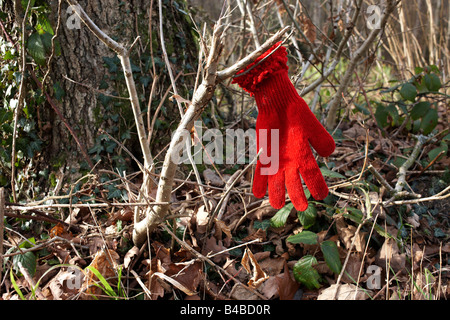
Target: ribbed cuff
[(262, 68)]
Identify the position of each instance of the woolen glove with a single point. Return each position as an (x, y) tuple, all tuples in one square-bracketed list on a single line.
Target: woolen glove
[(285, 130)]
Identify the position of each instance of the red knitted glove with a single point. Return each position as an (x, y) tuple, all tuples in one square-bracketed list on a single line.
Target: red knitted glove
[(281, 108)]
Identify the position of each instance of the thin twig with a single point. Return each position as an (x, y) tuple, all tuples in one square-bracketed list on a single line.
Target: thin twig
[(166, 58), (52, 54), (123, 54), (20, 104), (232, 248), (421, 140), (2, 227), (30, 280), (380, 178), (241, 64), (244, 7), (210, 262), (339, 51)]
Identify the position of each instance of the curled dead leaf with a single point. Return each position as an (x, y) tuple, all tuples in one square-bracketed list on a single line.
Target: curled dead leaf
[(129, 256), (221, 227), (258, 276), (202, 218)]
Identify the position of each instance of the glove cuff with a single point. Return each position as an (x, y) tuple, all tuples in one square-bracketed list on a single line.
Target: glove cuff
[(275, 63)]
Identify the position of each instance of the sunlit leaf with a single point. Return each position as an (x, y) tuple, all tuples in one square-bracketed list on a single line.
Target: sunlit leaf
[(306, 237), (305, 273), (279, 219)]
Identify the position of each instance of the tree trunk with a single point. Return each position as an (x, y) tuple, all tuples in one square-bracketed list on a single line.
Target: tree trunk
[(89, 73)]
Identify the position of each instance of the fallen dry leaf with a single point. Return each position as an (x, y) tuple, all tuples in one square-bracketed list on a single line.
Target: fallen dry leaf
[(389, 255), (212, 178), (188, 274), (129, 256), (66, 284), (161, 253), (286, 286), (258, 276), (270, 288), (105, 262), (347, 233), (221, 227), (212, 246), (346, 292), (238, 292), (264, 210), (258, 234), (154, 286), (125, 214), (202, 218), (352, 269), (414, 221), (272, 266)]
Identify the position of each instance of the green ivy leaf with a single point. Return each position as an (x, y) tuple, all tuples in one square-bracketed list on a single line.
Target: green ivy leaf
[(432, 82), (28, 260), (112, 63), (436, 151), (331, 174), (306, 237), (331, 256), (408, 92), (25, 4), (393, 112), (263, 225), (308, 217), (420, 109), (418, 70), (429, 121), (36, 48), (114, 193), (44, 25), (305, 273), (279, 219), (40, 44), (59, 92)]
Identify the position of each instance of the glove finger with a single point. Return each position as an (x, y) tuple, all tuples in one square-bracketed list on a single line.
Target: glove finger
[(277, 190), (313, 177), (319, 137), (322, 142), (295, 189), (259, 182)]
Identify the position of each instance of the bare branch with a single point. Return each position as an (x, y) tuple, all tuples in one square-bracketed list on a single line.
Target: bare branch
[(241, 64), (203, 94), (334, 103)]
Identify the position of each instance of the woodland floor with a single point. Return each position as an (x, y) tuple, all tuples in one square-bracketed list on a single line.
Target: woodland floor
[(242, 256)]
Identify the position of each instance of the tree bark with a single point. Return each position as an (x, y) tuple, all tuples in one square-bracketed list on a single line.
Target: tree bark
[(81, 72)]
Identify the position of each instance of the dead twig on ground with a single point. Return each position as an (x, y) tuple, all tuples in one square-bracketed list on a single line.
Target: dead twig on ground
[(211, 263)]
